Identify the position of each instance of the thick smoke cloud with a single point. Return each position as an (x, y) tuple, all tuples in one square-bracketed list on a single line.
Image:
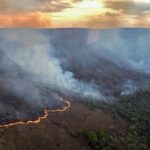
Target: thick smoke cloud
[(107, 58), (32, 53), (38, 64)]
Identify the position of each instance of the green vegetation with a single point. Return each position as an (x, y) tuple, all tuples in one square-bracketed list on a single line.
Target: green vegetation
[(135, 109), (103, 140)]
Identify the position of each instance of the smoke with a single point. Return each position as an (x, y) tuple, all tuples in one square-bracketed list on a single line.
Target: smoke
[(128, 48), (38, 65), (128, 88), (34, 66), (107, 58)]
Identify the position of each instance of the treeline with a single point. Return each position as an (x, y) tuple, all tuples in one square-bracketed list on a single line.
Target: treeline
[(135, 109)]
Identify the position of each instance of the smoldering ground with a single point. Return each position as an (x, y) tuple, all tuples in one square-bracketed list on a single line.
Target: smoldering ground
[(37, 66)]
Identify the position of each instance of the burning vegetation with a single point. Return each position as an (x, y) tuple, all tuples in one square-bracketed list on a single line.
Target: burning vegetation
[(39, 119)]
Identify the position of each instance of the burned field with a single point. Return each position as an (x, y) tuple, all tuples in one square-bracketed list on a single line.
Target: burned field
[(121, 125)]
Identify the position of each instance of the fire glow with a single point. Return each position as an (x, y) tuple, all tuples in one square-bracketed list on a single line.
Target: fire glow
[(67, 105)]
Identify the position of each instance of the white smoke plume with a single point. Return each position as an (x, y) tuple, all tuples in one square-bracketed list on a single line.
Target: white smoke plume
[(32, 52)]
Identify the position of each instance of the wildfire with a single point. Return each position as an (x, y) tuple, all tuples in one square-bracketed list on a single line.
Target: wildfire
[(67, 105)]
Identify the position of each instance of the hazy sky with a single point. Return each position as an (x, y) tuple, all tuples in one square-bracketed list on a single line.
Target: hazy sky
[(74, 13)]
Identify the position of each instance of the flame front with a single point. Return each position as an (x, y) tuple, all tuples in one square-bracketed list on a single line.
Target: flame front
[(67, 105)]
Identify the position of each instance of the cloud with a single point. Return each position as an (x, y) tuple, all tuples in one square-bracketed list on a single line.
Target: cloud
[(25, 20), (128, 7), (68, 13), (33, 5)]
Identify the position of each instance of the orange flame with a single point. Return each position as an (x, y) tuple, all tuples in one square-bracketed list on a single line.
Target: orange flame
[(67, 105)]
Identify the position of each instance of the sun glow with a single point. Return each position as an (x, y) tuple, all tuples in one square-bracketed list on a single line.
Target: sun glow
[(90, 4), (80, 10)]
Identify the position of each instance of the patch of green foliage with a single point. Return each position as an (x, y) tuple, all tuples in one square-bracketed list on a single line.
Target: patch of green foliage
[(103, 140), (135, 109)]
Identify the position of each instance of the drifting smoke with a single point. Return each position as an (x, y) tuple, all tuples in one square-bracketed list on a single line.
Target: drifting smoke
[(125, 47), (128, 88), (107, 58), (37, 65)]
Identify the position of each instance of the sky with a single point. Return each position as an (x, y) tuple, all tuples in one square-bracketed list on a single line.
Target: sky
[(74, 13)]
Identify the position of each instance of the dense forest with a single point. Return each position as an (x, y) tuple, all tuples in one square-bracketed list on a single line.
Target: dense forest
[(135, 110)]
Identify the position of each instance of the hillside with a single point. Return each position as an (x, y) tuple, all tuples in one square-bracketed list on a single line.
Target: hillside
[(103, 74)]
